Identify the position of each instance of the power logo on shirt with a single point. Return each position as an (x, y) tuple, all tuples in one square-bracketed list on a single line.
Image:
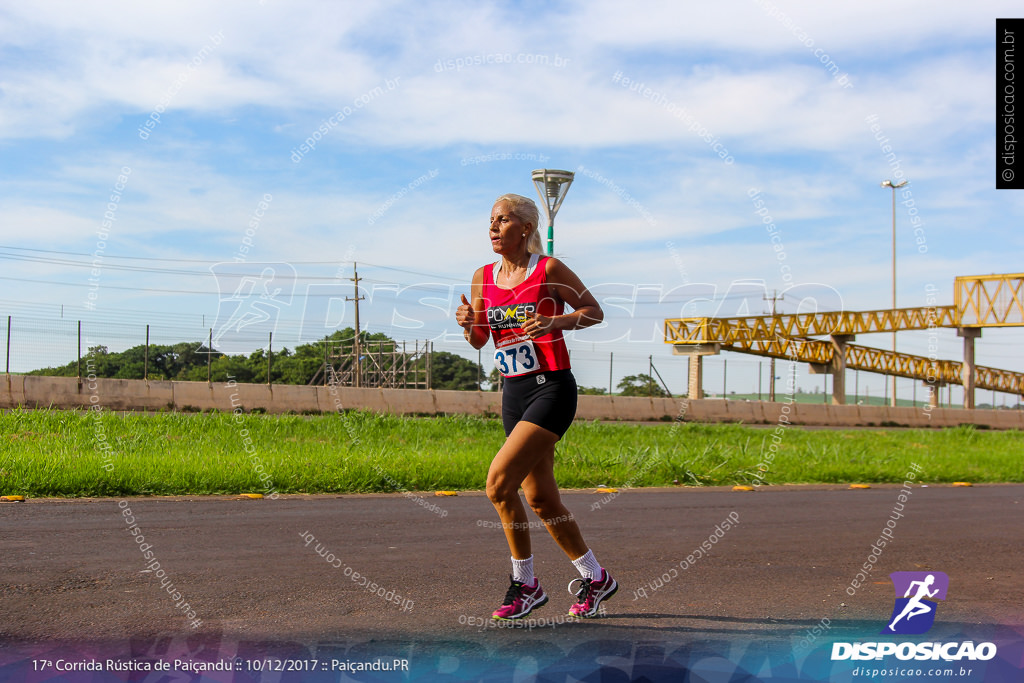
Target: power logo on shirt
[(511, 316)]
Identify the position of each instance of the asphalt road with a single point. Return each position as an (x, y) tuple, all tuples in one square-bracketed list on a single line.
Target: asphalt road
[(74, 575)]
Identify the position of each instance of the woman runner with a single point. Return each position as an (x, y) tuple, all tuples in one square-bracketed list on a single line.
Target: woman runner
[(519, 303)]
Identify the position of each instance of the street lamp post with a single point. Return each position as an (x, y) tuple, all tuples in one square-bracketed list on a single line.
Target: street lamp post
[(552, 187), (894, 186)]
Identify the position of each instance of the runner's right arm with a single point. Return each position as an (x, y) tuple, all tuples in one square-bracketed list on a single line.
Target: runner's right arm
[(472, 313)]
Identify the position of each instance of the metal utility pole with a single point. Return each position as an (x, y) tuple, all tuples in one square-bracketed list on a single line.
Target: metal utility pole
[(611, 360), (894, 186), (771, 366), (355, 279)]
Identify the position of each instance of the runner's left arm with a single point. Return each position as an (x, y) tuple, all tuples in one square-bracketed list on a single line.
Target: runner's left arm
[(564, 284)]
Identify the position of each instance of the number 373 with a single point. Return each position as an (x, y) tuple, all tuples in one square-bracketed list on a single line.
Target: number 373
[(514, 360)]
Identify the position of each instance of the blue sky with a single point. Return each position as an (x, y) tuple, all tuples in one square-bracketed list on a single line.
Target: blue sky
[(424, 112)]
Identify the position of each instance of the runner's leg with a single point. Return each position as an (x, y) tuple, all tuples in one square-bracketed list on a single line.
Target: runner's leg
[(515, 460), (543, 497)]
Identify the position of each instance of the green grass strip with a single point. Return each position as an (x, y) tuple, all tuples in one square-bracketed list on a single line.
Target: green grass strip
[(65, 453)]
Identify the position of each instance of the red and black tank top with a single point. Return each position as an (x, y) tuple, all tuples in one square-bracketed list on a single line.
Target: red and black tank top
[(515, 353)]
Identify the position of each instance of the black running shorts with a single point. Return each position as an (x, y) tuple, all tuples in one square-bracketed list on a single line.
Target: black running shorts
[(547, 399)]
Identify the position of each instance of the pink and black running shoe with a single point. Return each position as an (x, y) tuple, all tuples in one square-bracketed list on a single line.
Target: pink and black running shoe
[(520, 600), (591, 593)]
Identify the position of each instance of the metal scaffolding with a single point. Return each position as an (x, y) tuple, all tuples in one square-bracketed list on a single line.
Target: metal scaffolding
[(382, 364)]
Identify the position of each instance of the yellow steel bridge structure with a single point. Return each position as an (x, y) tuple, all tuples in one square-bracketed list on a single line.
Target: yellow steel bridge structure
[(980, 301)]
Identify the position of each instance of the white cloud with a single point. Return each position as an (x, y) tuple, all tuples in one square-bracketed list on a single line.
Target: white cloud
[(80, 79)]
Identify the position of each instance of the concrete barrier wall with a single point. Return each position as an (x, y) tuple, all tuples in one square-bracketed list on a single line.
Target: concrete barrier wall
[(116, 394), (127, 394), (201, 396), (12, 391), (297, 398)]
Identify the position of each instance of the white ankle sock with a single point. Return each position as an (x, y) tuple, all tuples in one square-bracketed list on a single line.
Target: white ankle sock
[(522, 570), (588, 566)]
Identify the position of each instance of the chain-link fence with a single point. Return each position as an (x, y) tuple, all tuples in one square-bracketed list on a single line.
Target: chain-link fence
[(34, 342)]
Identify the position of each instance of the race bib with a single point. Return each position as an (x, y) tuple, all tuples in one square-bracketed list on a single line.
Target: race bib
[(518, 358)]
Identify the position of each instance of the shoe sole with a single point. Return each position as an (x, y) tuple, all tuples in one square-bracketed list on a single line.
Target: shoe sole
[(597, 605), (526, 613)]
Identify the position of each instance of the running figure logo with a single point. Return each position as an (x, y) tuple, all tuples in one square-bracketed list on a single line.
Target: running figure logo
[(252, 297), (914, 611)]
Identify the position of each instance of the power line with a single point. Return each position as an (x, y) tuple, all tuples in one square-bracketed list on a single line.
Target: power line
[(172, 271), (641, 299), (206, 261), (144, 258)]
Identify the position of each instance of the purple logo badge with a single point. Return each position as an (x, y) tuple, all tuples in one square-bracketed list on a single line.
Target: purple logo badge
[(916, 595)]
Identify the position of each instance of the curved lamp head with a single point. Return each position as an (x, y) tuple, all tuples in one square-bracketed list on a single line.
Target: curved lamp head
[(552, 186)]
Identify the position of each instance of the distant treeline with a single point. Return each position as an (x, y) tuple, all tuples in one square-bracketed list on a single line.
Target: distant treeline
[(188, 361)]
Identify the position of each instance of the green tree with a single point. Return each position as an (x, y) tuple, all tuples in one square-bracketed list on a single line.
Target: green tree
[(451, 371), (640, 385), (222, 369), (188, 361), (178, 361), (172, 362)]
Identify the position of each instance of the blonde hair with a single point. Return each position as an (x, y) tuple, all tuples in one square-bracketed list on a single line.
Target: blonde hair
[(525, 210)]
